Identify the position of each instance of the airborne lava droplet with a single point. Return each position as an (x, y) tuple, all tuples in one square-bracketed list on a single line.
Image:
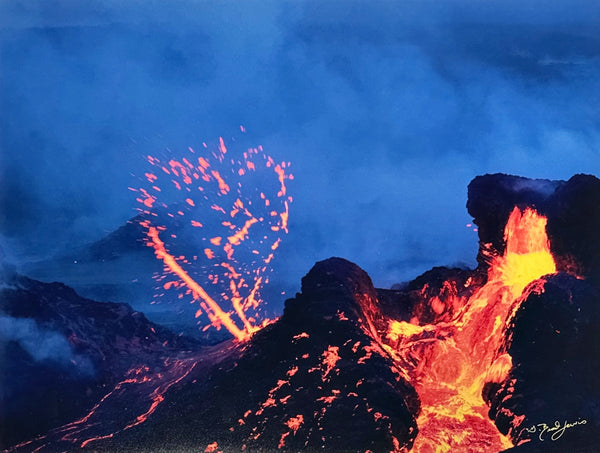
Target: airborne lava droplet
[(240, 215)]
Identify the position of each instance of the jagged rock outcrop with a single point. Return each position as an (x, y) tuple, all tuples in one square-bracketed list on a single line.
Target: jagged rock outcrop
[(491, 198), (554, 341), (553, 338), (573, 224), (572, 208)]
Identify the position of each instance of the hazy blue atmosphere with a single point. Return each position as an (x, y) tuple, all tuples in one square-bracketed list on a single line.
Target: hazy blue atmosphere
[(386, 111)]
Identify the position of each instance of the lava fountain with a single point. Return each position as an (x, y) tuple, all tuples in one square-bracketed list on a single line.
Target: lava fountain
[(449, 362), (240, 206)]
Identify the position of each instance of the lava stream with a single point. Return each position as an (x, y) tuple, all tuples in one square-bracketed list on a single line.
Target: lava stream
[(103, 421), (449, 363)]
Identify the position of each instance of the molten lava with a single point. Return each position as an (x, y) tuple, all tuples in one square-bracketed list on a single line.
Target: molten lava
[(449, 362), (527, 256), (218, 193), (197, 290)]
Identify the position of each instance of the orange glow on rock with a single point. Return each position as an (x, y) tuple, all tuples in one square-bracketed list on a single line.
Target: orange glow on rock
[(301, 335), (330, 359), (295, 423)]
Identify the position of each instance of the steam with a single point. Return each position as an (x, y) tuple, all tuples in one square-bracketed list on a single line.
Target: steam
[(43, 345), (385, 112)]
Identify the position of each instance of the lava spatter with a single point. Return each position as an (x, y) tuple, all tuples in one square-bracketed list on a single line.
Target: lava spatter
[(238, 207)]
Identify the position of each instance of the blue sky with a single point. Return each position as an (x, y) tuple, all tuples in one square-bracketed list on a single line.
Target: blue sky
[(386, 111)]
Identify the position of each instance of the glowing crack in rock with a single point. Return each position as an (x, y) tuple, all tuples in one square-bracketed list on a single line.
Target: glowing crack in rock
[(239, 210), (449, 362)]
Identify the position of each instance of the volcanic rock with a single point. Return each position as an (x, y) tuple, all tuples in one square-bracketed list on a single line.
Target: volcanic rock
[(572, 209), (107, 269), (440, 293), (554, 341), (435, 296), (573, 225), (553, 337), (491, 198), (61, 351), (318, 379)]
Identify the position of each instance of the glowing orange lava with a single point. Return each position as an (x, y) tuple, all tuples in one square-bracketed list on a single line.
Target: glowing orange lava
[(197, 290), (213, 189), (450, 372), (527, 256)]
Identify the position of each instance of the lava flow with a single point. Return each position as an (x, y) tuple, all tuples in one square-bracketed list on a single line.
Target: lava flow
[(449, 362), (217, 194)]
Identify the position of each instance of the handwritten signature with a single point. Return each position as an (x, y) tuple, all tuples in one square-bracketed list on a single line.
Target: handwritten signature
[(554, 432)]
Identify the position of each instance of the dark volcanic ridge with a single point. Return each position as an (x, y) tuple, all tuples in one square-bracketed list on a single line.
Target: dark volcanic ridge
[(61, 352), (320, 378)]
